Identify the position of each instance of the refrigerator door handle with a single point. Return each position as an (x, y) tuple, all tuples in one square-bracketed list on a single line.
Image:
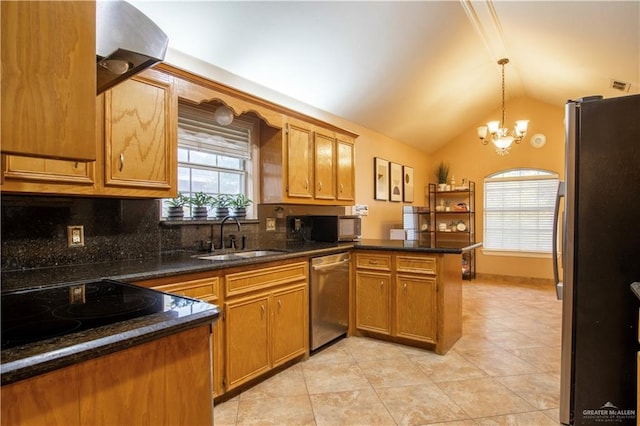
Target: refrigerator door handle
[(554, 249)]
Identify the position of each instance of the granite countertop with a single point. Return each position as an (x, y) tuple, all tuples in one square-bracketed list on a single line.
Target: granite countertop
[(415, 246), (176, 314)]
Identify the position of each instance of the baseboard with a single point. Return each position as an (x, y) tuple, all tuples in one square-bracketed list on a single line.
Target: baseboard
[(512, 279)]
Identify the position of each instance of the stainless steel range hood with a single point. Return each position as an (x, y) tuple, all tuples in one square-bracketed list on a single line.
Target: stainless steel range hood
[(127, 42)]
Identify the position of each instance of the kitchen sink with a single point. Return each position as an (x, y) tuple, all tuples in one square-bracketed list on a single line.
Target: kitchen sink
[(257, 253), (239, 255)]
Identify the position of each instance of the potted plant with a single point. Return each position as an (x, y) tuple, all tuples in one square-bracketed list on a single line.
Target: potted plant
[(200, 201), (175, 210), (442, 174), (238, 204), (220, 204)]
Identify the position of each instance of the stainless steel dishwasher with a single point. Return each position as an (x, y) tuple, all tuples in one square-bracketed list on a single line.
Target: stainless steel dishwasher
[(329, 298)]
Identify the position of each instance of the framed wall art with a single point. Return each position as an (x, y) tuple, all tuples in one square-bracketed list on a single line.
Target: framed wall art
[(407, 184), (395, 188), (380, 179)]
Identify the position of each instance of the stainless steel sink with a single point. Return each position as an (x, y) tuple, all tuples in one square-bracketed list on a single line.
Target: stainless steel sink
[(257, 253), (239, 255)]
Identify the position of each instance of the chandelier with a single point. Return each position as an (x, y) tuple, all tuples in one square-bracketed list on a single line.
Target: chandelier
[(496, 132)]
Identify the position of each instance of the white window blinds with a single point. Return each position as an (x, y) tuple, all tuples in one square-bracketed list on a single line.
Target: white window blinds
[(518, 211), (198, 129)]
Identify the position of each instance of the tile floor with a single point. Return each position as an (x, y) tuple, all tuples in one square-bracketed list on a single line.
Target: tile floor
[(503, 371)]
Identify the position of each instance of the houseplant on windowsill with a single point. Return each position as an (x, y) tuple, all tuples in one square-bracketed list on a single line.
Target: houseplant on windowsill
[(175, 210), (200, 201), (442, 174), (220, 204), (238, 204)]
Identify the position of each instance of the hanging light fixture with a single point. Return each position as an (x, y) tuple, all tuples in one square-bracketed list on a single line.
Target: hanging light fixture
[(496, 132)]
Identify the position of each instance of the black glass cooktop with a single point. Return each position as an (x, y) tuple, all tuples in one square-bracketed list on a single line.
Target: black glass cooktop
[(35, 315)]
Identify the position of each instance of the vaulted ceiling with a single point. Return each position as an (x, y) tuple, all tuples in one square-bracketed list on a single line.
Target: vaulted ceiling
[(418, 71)]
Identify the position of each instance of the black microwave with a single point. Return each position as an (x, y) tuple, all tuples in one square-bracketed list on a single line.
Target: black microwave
[(336, 228)]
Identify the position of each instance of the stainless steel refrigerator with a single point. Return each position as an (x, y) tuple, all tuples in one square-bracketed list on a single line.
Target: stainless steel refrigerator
[(600, 259)]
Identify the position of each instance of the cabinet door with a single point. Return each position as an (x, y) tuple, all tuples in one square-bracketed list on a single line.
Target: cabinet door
[(140, 135), (372, 301), (48, 79), (290, 324), (416, 315), (346, 171), (324, 176), (247, 339), (48, 399), (299, 162)]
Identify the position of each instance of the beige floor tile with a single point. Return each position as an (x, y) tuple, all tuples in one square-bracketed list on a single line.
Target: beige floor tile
[(359, 407), (446, 368), (336, 353), (468, 422), (391, 372), (511, 339), (484, 397), (364, 349), (542, 358), (323, 378), (533, 418), (553, 414), (470, 344), (289, 382), (226, 413), (540, 390), (276, 411), (499, 363), (419, 405)]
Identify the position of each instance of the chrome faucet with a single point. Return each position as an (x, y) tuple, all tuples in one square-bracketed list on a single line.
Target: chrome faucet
[(222, 228)]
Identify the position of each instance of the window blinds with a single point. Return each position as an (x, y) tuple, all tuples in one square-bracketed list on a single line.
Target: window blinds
[(198, 129), (518, 214)]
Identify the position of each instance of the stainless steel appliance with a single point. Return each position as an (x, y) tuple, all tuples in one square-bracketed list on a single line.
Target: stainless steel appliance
[(601, 242), (329, 298), (335, 228)]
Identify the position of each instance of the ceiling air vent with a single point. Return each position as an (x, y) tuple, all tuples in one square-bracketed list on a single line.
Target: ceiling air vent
[(620, 85)]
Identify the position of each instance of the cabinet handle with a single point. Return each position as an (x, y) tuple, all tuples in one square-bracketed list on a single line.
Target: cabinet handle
[(341, 188), (121, 161), (404, 287), (319, 186), (373, 262), (381, 285), (306, 183), (262, 311), (279, 305), (75, 166)]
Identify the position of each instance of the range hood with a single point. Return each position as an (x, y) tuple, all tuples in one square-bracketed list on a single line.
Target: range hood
[(127, 42)]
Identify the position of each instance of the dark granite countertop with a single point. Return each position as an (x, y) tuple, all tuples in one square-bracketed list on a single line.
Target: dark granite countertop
[(176, 314), (415, 246)]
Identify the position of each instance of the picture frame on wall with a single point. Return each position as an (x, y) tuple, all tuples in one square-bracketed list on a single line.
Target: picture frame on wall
[(407, 184), (380, 179), (395, 182)]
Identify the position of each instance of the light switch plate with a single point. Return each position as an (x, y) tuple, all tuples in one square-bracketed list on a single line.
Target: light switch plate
[(75, 236), (271, 224)]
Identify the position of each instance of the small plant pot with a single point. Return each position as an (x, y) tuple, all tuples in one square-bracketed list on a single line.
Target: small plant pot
[(238, 212), (221, 212), (200, 212), (442, 187), (175, 213)]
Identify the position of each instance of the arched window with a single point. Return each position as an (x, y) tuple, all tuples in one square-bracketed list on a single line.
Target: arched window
[(518, 210)]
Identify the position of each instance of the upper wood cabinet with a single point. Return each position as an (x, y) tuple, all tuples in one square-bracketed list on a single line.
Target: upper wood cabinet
[(325, 166), (140, 135), (48, 52), (299, 151), (136, 142), (345, 170)]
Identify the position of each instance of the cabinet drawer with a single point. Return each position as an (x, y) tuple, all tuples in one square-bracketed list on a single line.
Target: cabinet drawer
[(416, 264), (204, 289), (244, 282), (381, 262)]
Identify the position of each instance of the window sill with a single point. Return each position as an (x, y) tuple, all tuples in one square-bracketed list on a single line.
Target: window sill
[(510, 253), (189, 222)]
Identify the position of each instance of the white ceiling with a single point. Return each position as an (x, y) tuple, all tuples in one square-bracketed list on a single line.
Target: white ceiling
[(418, 71)]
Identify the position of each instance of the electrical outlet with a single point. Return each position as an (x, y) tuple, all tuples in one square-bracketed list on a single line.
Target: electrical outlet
[(75, 236), (271, 224)]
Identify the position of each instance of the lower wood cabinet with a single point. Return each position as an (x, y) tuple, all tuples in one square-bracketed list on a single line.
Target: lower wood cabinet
[(163, 382), (268, 323), (409, 297)]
